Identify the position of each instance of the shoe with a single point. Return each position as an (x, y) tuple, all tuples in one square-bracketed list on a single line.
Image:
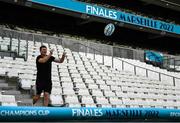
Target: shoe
[(34, 100)]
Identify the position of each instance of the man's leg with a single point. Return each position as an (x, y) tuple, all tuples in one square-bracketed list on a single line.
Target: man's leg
[(47, 92), (46, 98), (38, 94), (36, 98)]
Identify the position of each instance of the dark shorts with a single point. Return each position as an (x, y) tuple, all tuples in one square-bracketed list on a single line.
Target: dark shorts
[(44, 88)]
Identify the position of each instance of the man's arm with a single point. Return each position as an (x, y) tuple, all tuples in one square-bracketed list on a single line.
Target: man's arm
[(61, 60), (46, 58)]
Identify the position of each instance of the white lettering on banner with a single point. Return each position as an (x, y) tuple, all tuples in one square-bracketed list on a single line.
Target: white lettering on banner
[(107, 13), (101, 12), (43, 113), (86, 112), (24, 113), (175, 114)]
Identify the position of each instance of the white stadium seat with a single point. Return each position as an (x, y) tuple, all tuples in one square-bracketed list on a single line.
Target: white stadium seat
[(115, 101), (97, 93), (71, 99), (67, 85), (83, 92), (56, 91), (87, 100), (102, 101), (68, 91), (56, 100), (25, 84), (80, 85)]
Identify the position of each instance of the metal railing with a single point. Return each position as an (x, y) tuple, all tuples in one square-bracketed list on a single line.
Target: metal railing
[(86, 49), (147, 71), (171, 64)]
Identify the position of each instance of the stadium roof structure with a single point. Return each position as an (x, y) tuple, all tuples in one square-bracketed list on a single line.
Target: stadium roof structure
[(170, 4), (51, 18)]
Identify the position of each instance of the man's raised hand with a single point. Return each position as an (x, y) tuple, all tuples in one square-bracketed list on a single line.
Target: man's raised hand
[(51, 51), (64, 54)]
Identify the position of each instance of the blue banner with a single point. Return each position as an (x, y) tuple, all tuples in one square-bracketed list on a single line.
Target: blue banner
[(112, 14), (154, 56), (88, 114)]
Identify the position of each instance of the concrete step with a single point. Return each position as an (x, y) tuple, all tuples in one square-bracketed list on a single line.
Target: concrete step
[(2, 81), (10, 92), (24, 91), (22, 96), (40, 102), (3, 84), (12, 81), (8, 87), (25, 102)]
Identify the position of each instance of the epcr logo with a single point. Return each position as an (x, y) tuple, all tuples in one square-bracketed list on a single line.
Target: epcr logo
[(109, 29)]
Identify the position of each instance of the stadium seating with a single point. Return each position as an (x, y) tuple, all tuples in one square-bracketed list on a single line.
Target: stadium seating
[(84, 82)]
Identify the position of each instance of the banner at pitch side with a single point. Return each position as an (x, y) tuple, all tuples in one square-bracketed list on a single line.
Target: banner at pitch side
[(112, 14), (89, 114)]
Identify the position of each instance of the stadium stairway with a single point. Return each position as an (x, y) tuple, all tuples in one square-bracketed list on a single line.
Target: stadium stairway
[(10, 95), (83, 82)]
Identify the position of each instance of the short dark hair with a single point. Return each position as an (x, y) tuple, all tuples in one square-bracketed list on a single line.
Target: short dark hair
[(42, 47)]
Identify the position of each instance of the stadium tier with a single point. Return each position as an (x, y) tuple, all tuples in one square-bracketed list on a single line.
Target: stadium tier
[(82, 81)]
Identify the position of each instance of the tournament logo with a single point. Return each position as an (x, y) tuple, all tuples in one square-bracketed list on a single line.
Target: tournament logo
[(109, 29)]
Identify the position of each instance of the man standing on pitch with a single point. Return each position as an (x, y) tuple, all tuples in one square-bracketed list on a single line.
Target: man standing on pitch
[(43, 79)]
